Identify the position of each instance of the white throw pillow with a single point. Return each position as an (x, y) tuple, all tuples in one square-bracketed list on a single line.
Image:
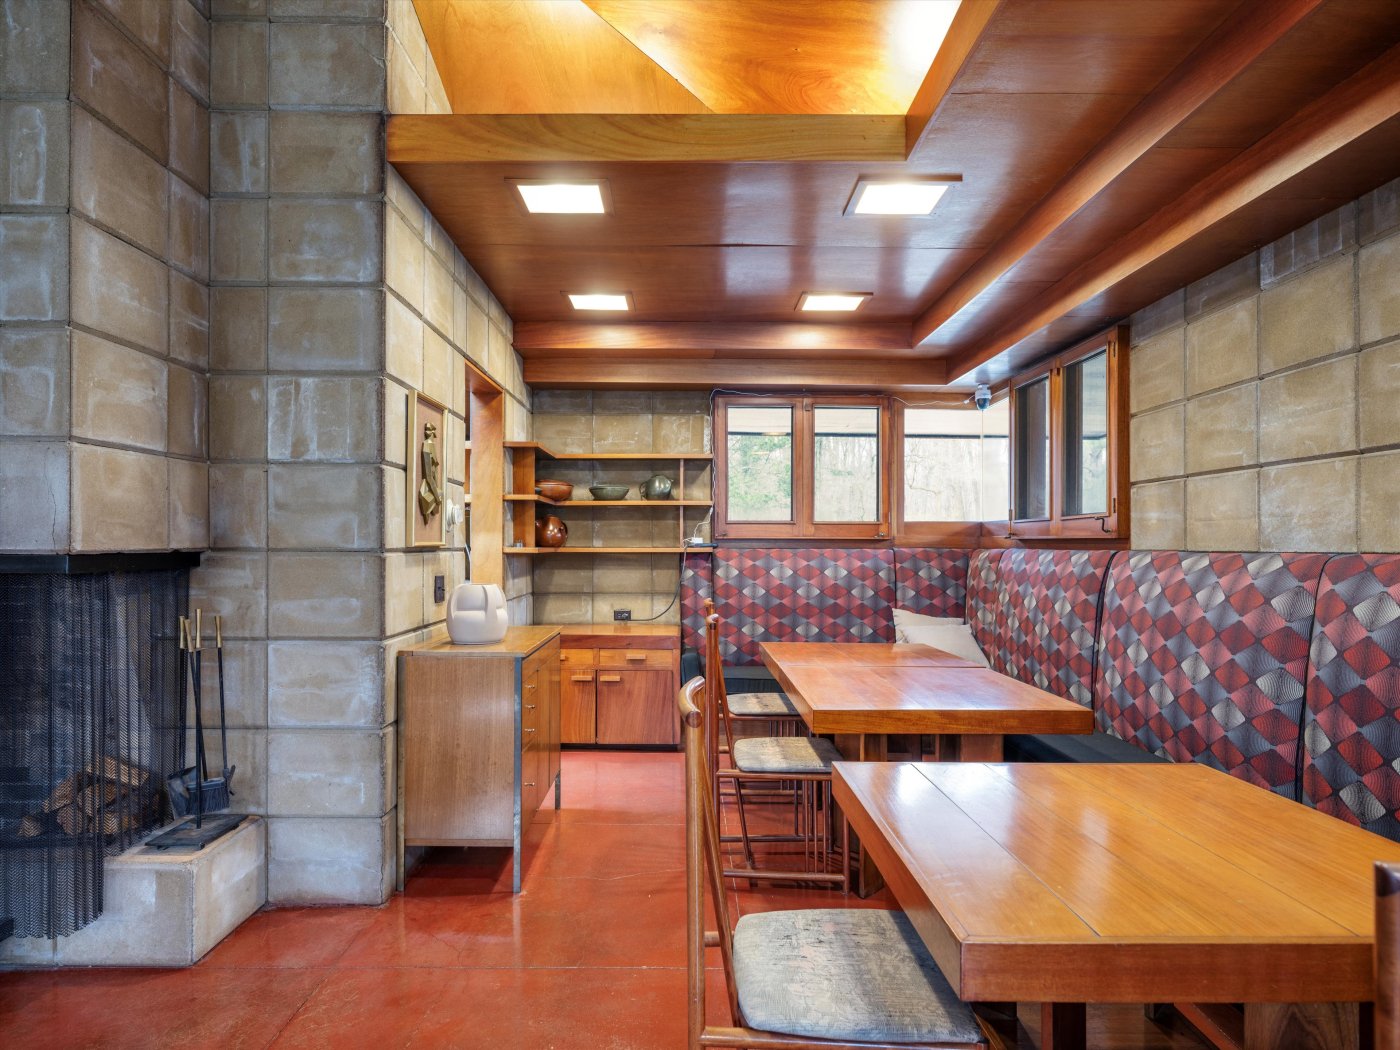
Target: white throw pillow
[(955, 638), (904, 619)]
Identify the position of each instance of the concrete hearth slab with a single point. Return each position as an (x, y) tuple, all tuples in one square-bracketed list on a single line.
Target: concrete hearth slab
[(162, 909)]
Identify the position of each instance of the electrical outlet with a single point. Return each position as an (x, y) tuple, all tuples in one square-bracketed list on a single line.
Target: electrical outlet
[(622, 614), (439, 589)]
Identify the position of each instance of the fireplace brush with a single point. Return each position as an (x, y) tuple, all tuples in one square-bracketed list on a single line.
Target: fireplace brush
[(192, 790)]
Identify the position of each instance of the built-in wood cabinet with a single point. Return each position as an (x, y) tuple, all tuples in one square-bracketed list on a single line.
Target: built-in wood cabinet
[(618, 685), (479, 729)]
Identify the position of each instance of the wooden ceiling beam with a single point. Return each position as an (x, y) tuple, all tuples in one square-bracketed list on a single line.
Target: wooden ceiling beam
[(1352, 109), (715, 137), (650, 337), (1247, 35), (963, 36), (701, 372)]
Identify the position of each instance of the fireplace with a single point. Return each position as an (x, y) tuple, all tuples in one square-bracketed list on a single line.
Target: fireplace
[(92, 722)]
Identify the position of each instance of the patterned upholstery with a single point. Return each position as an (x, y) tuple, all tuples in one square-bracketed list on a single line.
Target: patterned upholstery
[(783, 754), (1203, 658), (983, 595), (695, 588), (930, 580), (760, 705), (1351, 729), (801, 595), (1045, 618), (848, 974)]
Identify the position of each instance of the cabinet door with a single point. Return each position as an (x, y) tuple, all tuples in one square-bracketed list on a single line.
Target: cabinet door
[(636, 707), (578, 698)]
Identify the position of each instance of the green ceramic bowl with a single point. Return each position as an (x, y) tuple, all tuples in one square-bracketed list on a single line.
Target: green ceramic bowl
[(609, 491)]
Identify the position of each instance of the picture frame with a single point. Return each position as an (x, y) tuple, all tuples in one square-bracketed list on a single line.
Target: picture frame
[(422, 412)]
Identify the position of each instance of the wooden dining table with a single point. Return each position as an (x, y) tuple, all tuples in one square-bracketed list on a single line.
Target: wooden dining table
[(1065, 884)]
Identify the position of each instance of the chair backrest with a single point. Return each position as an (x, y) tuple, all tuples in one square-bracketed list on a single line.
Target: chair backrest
[(703, 863), (717, 694), (1387, 1009)]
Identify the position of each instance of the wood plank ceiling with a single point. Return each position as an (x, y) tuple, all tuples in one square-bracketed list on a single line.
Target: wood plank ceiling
[(1109, 151)]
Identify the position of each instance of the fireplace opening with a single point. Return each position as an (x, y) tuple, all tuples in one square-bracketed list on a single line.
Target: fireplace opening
[(92, 723)]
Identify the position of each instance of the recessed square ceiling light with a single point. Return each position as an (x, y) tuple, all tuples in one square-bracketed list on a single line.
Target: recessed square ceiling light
[(559, 197), (832, 302), (600, 300), (897, 196)]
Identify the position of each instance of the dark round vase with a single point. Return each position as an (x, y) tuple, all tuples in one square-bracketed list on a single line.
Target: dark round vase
[(550, 531)]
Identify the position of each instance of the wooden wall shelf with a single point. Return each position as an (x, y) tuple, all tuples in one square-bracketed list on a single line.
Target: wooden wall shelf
[(600, 550), (586, 456)]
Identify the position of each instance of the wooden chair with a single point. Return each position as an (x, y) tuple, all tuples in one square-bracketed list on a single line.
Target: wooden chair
[(775, 709), (840, 978), (1387, 1008)]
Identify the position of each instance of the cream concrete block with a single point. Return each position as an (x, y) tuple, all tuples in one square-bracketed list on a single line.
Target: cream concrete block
[(238, 66), (238, 505), (1378, 525), (327, 65), (245, 691), (622, 433), (329, 772), (395, 508), (338, 684), (404, 601), (34, 382), (563, 608), (1223, 512), (1379, 384), (189, 229), (119, 394), (189, 49), (189, 504), (324, 240), (35, 136), (564, 402), (189, 321), (1307, 316), (1159, 516), (1379, 211), (148, 22), (326, 153), (499, 317), (313, 506), (234, 586), (395, 424), (620, 574), (237, 417), (1304, 247), (1309, 412), (337, 860), (187, 413), (117, 80), (639, 603), (680, 433), (1166, 313), (118, 289), (1158, 444), (403, 22), (402, 197), (1221, 430), (324, 329), (620, 528), (34, 37), (324, 10), (437, 367), (408, 92), (189, 138), (520, 612), (121, 500), (325, 595), (1380, 289), (1308, 506), (33, 267), (1222, 348), (478, 344), (460, 307), (33, 496), (238, 236), (403, 342), (247, 750), (238, 329), (1237, 280), (327, 419), (438, 294), (458, 403), (404, 259), (499, 353), (1157, 373), (435, 564), (238, 152)]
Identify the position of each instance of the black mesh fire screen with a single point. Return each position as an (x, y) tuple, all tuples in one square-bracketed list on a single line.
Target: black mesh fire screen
[(91, 705)]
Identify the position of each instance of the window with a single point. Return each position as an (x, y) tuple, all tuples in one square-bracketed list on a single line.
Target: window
[(1033, 449), (800, 467), (1086, 435), (956, 465)]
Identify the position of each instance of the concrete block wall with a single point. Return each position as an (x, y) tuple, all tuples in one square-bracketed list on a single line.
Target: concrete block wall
[(1264, 397)]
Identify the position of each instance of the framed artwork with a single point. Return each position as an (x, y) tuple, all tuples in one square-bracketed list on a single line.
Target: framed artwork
[(427, 479)]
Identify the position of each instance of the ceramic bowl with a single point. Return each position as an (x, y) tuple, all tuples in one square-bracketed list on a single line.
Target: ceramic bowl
[(609, 492), (556, 490)]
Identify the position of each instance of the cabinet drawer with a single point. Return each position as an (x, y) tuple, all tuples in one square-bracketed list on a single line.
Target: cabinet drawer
[(577, 658), (540, 659), (643, 659)]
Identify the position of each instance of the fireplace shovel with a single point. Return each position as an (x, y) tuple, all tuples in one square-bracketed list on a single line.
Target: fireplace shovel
[(193, 791)]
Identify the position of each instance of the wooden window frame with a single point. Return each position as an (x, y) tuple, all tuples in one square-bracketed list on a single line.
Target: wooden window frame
[(1059, 525), (802, 525), (927, 533)]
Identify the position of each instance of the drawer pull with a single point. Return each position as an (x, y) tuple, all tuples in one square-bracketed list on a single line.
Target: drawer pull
[(581, 678), (610, 678), (529, 730), (528, 784), (637, 657), (529, 687), (530, 707)]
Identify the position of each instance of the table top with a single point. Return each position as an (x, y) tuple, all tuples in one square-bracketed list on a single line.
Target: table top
[(900, 697), (1058, 882), (864, 654)]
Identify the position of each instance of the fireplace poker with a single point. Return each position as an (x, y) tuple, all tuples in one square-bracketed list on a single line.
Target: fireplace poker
[(228, 770)]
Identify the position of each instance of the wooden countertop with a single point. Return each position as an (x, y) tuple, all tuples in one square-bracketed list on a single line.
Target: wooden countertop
[(519, 641), (619, 636)]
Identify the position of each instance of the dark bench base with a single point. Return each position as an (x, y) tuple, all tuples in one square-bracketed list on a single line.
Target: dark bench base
[(1064, 747)]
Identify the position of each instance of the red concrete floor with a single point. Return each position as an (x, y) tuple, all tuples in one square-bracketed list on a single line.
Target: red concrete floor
[(590, 955)]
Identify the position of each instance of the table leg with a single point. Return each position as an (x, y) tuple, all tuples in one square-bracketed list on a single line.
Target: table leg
[(1286, 1026), (862, 747), (973, 748), (1062, 1026)]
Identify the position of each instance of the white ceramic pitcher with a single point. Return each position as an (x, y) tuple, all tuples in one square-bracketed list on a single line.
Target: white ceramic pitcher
[(476, 614)]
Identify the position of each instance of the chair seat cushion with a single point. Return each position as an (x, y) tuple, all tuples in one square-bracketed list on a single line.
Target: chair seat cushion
[(854, 975), (1069, 747), (783, 754), (760, 705)]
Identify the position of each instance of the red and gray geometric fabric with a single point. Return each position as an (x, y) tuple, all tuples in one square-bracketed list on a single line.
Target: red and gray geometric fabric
[(1351, 731), (930, 580), (806, 594), (984, 590), (695, 588), (1203, 658), (1045, 618)]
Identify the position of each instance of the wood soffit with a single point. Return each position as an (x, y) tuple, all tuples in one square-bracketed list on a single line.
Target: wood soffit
[(1110, 151)]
